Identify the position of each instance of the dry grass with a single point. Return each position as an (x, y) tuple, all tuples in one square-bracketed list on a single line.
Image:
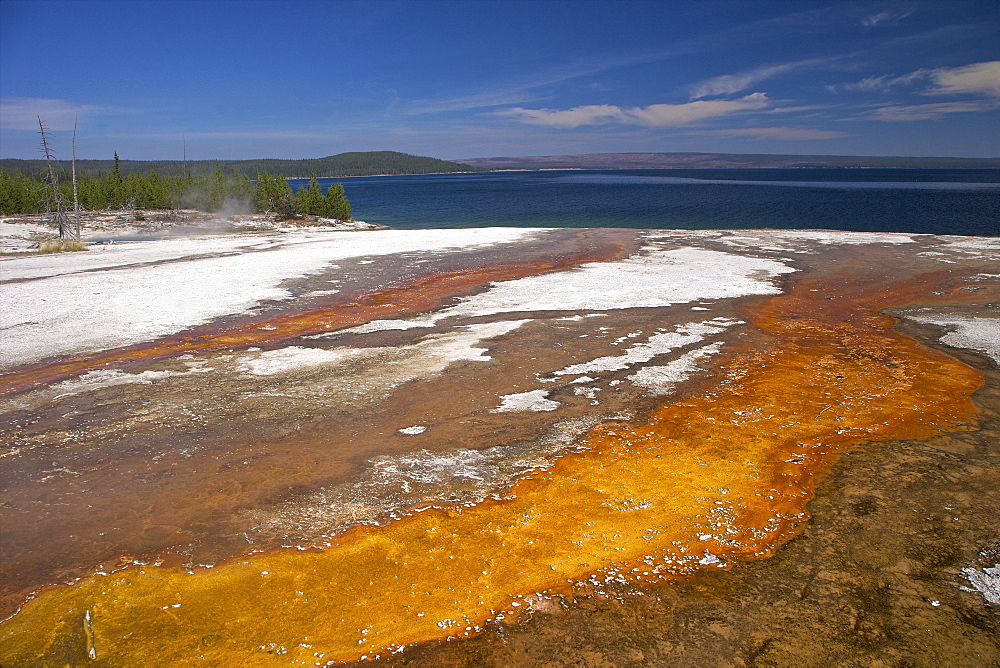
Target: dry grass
[(61, 246)]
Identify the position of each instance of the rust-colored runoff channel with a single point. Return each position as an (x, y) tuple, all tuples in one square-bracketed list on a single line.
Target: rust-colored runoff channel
[(707, 480), (425, 293)]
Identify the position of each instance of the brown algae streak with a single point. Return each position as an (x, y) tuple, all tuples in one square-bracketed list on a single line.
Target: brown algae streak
[(707, 480), (425, 293)]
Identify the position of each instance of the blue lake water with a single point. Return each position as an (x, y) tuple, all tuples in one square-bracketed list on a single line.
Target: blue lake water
[(947, 201)]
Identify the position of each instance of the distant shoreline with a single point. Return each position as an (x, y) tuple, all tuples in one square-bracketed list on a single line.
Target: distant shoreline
[(368, 176), (626, 169), (724, 161)]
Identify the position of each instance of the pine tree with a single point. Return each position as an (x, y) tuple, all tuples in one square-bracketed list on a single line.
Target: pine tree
[(337, 206), (116, 195), (260, 198), (216, 189), (239, 190), (284, 200), (274, 194), (309, 200), (19, 193)]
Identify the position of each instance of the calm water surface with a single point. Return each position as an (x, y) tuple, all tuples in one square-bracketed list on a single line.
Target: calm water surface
[(948, 201)]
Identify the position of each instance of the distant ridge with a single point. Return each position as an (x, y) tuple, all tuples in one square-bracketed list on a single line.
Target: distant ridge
[(366, 163), (723, 161)]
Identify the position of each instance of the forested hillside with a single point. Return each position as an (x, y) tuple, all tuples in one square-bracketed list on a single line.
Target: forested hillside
[(367, 163)]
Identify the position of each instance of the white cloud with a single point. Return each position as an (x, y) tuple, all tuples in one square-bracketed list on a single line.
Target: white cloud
[(653, 116), (928, 112), (974, 79), (22, 113), (791, 134)]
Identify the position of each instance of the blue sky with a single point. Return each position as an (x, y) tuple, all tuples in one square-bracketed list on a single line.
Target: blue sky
[(489, 78)]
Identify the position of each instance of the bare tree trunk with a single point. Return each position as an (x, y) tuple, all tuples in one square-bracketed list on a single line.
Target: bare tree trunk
[(76, 198), (53, 182)]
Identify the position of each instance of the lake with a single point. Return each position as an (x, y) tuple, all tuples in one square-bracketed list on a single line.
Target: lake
[(946, 201)]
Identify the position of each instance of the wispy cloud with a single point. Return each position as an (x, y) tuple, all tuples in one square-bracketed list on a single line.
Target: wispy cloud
[(976, 79), (790, 134), (668, 115), (797, 108), (653, 116), (266, 134), (526, 89), (567, 119), (882, 83), (728, 84), (929, 112), (22, 113), (937, 38), (471, 102), (887, 17), (979, 83)]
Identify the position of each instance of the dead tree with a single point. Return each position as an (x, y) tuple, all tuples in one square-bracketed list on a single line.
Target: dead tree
[(56, 205)]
